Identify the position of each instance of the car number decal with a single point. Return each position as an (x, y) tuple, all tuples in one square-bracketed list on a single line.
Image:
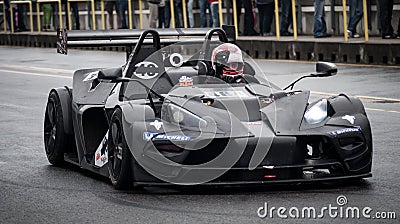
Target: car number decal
[(146, 70)]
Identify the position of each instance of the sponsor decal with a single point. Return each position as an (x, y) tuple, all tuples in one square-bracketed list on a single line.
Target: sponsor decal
[(147, 136), (266, 100), (226, 94), (91, 76), (345, 130), (253, 123), (157, 124), (101, 154), (146, 70), (349, 118)]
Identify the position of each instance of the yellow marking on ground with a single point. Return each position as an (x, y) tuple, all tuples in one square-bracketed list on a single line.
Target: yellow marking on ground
[(36, 74)]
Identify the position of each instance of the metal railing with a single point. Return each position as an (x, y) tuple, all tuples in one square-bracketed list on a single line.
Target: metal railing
[(30, 13), (294, 12), (69, 12), (38, 11)]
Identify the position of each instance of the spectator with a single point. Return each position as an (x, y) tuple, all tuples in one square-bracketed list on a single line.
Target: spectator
[(153, 8), (177, 11), (265, 16), (74, 7), (356, 13), (46, 8), (214, 12), (110, 5), (319, 19), (123, 8), (7, 9), (161, 14), (204, 5), (190, 13), (386, 10), (286, 17), (248, 16)]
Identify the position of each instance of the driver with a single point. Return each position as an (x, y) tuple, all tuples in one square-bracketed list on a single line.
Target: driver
[(227, 63)]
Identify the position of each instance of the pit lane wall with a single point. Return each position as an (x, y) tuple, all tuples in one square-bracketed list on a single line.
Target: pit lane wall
[(306, 48)]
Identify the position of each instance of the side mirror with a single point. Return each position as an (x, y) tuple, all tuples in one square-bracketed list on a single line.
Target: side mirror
[(325, 69)]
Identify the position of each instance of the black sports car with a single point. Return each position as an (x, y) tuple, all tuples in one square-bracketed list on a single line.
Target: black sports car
[(163, 118)]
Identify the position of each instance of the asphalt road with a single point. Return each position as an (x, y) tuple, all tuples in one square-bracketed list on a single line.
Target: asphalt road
[(32, 191)]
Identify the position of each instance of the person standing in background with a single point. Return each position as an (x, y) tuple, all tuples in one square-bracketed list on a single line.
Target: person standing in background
[(319, 19), (122, 8), (356, 13), (161, 14), (214, 12), (7, 9), (204, 5), (386, 11), (248, 29), (110, 5), (265, 16), (189, 7), (74, 7), (46, 8), (153, 16), (286, 17)]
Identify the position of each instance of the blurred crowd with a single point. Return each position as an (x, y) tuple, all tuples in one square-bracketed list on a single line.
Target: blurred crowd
[(257, 13)]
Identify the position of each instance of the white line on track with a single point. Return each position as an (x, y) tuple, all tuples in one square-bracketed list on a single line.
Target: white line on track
[(340, 64), (359, 96), (36, 74), (68, 71)]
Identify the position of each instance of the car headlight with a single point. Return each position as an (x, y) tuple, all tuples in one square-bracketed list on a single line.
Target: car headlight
[(317, 113), (183, 117)]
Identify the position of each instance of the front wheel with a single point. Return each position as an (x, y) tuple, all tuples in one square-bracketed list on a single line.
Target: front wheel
[(119, 155), (55, 139)]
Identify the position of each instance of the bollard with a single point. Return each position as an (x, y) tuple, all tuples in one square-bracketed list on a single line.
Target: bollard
[(235, 22), (346, 36), (103, 24), (140, 14), (365, 20), (277, 29), (172, 12), (221, 21), (294, 19), (184, 13), (130, 14)]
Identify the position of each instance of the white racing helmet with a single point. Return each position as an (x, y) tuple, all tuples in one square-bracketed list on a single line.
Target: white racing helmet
[(227, 62)]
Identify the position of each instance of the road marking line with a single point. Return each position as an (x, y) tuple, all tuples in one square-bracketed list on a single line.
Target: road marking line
[(38, 68), (341, 64), (36, 74), (381, 110), (359, 96)]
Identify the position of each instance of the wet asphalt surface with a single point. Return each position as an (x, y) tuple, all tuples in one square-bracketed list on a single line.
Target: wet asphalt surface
[(33, 191)]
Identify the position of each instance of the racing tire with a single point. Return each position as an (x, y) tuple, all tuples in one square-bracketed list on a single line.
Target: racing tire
[(119, 155), (56, 141)]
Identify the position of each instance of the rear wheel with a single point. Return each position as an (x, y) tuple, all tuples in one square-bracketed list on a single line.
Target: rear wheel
[(55, 138), (119, 156)]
